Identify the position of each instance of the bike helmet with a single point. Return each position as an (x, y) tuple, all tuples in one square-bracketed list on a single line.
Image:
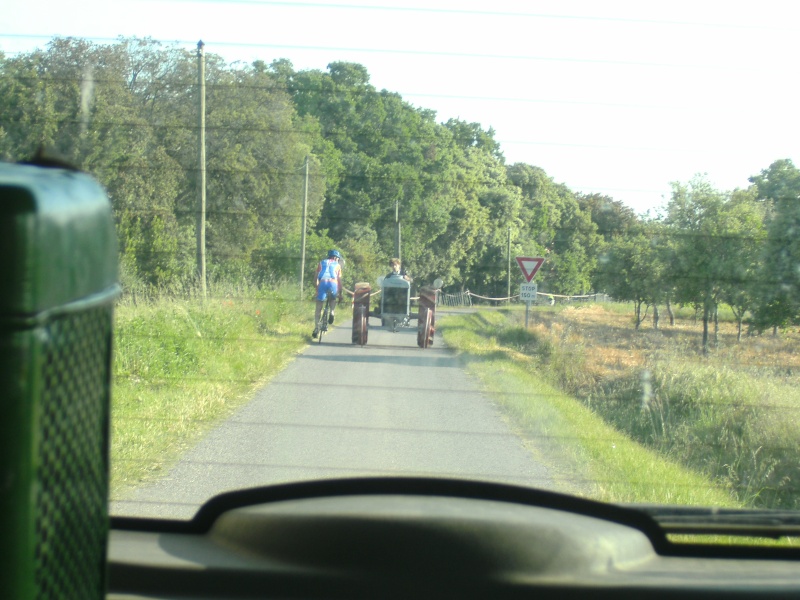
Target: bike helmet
[(332, 253)]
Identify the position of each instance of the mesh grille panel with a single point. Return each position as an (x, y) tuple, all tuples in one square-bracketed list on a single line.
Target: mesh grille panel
[(395, 300), (71, 502)]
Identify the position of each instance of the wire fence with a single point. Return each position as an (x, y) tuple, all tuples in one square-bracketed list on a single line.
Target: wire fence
[(465, 298), (459, 299)]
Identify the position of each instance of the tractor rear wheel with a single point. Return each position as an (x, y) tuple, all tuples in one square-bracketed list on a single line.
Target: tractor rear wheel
[(425, 327), (360, 325)]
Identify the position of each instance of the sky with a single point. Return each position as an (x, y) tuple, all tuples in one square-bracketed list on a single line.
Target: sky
[(615, 97)]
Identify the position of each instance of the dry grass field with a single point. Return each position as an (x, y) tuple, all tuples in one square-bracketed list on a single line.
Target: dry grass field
[(618, 347), (733, 415)]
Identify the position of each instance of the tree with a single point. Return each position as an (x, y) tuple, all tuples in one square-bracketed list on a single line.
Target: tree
[(472, 135), (743, 224), (611, 216), (632, 268), (127, 113), (778, 302), (692, 215), (715, 234), (394, 155), (255, 181)]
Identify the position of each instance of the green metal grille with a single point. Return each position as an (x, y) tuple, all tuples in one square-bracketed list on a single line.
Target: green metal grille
[(395, 300), (71, 516)]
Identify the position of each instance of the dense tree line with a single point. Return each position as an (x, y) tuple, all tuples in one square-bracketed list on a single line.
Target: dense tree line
[(127, 113), (709, 248)]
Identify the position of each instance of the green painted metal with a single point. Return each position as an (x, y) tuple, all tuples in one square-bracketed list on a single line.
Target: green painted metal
[(57, 239), (58, 282)]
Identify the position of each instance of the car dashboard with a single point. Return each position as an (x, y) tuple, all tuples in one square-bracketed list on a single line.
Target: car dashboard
[(427, 538)]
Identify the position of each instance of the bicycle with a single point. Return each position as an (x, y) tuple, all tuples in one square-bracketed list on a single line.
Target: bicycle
[(322, 324)]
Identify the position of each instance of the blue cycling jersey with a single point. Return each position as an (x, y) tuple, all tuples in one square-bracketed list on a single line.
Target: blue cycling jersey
[(328, 269)]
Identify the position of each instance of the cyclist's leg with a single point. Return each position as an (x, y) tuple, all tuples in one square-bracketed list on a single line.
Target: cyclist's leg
[(332, 300), (318, 311), (321, 293)]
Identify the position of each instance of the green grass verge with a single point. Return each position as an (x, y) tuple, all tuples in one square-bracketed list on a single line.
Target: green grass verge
[(731, 415), (589, 455), (182, 365)]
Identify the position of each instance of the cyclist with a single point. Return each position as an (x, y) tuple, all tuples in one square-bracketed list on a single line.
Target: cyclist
[(329, 279)]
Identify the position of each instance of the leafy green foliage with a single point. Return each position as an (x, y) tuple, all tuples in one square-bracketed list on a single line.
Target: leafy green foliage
[(128, 113), (713, 257), (632, 268), (779, 301)]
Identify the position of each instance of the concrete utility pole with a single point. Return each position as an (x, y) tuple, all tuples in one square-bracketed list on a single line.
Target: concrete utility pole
[(303, 232), (397, 229), (201, 168)]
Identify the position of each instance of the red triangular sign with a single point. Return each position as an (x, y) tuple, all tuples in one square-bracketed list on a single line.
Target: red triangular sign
[(529, 265)]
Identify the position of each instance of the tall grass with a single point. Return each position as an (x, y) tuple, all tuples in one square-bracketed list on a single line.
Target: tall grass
[(586, 454), (740, 430), (182, 363), (729, 417)]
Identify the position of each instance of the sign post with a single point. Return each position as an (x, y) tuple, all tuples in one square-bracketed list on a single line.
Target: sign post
[(529, 265)]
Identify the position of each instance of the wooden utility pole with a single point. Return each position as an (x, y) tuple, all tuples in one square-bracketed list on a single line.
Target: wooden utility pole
[(508, 292), (303, 232), (201, 169)]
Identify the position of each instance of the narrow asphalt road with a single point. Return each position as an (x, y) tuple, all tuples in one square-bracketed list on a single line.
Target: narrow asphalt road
[(341, 410)]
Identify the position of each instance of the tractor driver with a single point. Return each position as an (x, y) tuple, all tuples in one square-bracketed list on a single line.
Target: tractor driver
[(397, 270)]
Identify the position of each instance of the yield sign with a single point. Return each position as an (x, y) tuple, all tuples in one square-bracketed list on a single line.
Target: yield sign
[(529, 265)]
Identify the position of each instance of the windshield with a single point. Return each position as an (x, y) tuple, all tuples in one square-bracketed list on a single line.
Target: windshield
[(540, 244)]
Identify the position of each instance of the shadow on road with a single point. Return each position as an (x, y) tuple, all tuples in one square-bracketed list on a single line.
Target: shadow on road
[(426, 358)]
